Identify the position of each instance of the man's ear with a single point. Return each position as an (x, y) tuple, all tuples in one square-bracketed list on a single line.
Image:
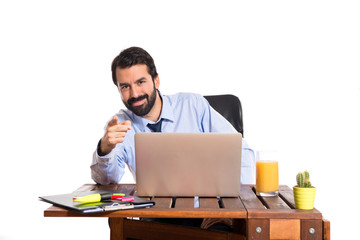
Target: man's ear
[(157, 82)]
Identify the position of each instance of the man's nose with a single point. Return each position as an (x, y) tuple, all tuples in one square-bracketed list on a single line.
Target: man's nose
[(134, 92)]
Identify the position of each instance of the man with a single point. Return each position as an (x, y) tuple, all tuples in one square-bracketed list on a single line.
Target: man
[(134, 73)]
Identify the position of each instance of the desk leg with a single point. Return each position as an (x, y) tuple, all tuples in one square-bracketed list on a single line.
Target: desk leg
[(258, 229), (326, 229), (311, 229), (116, 228)]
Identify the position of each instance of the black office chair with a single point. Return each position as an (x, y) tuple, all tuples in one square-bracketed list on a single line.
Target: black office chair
[(228, 106)]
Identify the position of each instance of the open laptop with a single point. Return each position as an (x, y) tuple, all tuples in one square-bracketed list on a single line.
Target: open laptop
[(188, 164)]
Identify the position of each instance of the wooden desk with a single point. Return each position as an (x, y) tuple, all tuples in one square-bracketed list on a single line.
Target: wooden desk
[(254, 217)]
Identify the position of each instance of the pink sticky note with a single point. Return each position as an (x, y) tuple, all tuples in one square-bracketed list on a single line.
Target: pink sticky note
[(128, 199)]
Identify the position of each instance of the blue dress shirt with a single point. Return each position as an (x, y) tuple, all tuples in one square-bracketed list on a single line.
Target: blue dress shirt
[(182, 112)]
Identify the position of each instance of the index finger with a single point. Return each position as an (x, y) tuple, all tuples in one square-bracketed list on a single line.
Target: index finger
[(127, 122), (113, 121)]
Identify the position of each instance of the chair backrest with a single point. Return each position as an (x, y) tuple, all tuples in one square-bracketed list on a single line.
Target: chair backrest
[(229, 106)]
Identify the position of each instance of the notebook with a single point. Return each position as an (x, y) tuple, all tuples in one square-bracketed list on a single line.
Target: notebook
[(66, 201), (188, 164)]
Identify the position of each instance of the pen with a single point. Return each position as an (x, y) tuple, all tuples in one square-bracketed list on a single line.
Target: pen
[(117, 196), (98, 197)]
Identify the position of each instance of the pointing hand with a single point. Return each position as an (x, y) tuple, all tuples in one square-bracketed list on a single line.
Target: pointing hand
[(115, 133)]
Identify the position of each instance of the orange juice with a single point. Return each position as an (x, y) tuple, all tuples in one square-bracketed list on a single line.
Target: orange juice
[(267, 177)]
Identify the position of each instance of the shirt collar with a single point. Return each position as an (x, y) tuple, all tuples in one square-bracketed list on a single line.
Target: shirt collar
[(167, 111)]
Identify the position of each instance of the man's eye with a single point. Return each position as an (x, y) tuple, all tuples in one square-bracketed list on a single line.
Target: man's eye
[(123, 87)]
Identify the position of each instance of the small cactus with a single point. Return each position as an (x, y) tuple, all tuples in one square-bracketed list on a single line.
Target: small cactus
[(300, 179), (303, 179)]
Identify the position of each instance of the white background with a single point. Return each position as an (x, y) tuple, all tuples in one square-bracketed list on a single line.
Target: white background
[(294, 65)]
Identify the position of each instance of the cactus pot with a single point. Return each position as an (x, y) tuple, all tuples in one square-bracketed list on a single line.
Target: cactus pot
[(304, 197)]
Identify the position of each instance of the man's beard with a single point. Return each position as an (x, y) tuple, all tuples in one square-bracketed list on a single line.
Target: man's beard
[(145, 108)]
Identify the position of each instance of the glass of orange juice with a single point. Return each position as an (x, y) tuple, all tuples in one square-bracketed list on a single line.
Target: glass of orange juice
[(267, 174)]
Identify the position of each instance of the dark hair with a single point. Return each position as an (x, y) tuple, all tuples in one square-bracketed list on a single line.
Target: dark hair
[(133, 56)]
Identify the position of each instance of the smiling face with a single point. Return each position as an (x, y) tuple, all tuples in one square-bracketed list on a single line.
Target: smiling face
[(137, 89)]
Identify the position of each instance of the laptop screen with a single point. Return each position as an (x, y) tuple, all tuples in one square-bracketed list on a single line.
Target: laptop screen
[(188, 164)]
